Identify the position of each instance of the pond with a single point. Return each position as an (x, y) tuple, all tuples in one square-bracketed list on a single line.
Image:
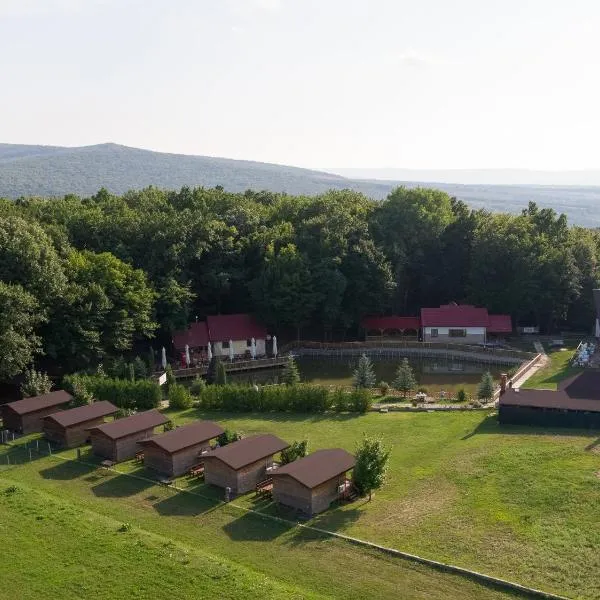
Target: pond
[(432, 374)]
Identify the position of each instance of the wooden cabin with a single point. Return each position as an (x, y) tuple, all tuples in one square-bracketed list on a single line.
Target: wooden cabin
[(575, 403), (118, 440), (27, 415), (312, 483), (70, 428), (242, 464), (176, 452)]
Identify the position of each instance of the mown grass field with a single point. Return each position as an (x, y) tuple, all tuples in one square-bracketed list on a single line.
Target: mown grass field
[(517, 503), (559, 368)]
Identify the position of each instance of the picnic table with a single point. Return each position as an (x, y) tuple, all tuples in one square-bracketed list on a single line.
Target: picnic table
[(265, 487), (197, 470), (107, 464)]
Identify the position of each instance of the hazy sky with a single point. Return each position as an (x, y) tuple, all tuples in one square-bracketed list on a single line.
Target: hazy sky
[(315, 83)]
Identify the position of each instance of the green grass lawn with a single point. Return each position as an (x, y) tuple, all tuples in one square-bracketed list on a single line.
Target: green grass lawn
[(558, 369), (518, 503)]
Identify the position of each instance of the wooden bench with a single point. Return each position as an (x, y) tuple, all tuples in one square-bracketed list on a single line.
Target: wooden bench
[(139, 456), (265, 487)]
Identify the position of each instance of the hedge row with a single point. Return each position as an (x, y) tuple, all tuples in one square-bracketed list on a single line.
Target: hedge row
[(301, 398), (124, 393)]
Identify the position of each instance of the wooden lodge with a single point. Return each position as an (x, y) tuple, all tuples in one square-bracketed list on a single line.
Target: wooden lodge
[(175, 452), (27, 415), (312, 483), (576, 403), (70, 428), (242, 464), (118, 440)]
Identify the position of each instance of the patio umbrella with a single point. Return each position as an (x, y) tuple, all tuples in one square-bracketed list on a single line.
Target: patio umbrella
[(275, 346), (163, 360), (209, 354), (253, 348), (187, 356), (230, 350)]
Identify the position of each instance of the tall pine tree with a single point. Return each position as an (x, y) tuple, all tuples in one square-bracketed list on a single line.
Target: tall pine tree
[(364, 375), (405, 380)]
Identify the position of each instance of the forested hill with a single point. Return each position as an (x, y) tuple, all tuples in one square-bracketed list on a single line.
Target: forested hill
[(56, 171)]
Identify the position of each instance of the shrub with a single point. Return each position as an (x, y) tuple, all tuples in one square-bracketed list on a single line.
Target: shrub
[(179, 397), (139, 395), (125, 412), (220, 373), (168, 426), (384, 388), (461, 395), (12, 489), (140, 368), (422, 389), (228, 436), (294, 452), (198, 386), (302, 398), (124, 528)]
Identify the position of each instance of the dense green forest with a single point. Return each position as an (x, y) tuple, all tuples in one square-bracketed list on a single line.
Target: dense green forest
[(82, 279)]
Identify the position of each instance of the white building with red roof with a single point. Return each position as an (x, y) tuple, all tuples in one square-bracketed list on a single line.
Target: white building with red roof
[(462, 323)]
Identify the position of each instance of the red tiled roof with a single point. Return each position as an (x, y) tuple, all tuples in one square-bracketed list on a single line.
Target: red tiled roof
[(500, 324), (454, 315), (391, 323), (247, 450), (318, 467), (120, 428), (81, 414), (195, 336), (183, 437), (222, 328), (29, 405), (581, 392)]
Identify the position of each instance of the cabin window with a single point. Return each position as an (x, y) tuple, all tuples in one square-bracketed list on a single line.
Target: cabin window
[(225, 345), (457, 332), (434, 333)]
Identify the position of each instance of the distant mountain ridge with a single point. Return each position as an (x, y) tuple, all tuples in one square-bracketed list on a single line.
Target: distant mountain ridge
[(28, 170)]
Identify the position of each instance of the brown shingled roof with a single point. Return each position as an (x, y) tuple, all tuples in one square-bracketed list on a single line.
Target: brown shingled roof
[(29, 405), (184, 437), (247, 450), (318, 467), (581, 392), (120, 428), (82, 414)]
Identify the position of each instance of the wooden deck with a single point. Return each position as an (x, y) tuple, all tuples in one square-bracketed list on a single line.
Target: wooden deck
[(230, 367)]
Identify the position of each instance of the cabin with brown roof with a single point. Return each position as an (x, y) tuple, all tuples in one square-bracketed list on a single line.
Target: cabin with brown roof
[(118, 440), (576, 403), (27, 415), (175, 452), (70, 428), (242, 464), (312, 483)]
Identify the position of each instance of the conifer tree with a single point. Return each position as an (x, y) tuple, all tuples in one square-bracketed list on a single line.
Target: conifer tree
[(364, 375), (291, 374), (485, 390), (405, 380)]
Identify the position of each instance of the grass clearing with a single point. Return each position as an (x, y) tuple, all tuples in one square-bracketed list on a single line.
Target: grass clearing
[(517, 503), (556, 371)]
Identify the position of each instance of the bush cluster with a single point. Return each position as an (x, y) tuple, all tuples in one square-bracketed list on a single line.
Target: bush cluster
[(301, 398), (124, 393)]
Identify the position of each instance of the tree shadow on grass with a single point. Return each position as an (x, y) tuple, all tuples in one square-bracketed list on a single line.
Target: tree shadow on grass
[(67, 470), (252, 527), (490, 425), (123, 485)]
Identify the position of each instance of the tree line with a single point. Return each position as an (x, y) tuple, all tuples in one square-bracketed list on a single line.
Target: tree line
[(86, 279)]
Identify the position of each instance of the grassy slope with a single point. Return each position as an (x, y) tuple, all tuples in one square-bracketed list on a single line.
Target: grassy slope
[(558, 369), (516, 503), (62, 551), (76, 540)]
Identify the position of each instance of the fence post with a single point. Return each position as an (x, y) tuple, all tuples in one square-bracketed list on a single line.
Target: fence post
[(30, 459), (49, 448), (37, 445), (8, 460)]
